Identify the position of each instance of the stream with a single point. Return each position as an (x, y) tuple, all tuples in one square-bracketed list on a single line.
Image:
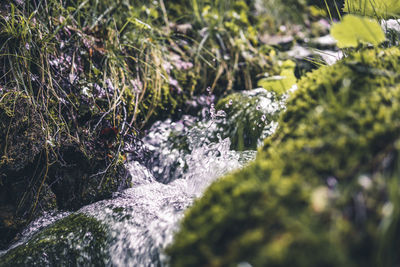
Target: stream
[(187, 156)]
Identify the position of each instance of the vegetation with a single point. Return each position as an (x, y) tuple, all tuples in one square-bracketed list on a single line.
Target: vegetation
[(377, 8), (79, 80), (323, 190), (353, 31)]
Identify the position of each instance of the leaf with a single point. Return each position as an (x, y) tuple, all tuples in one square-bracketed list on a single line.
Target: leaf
[(280, 84), (353, 30), (374, 8)]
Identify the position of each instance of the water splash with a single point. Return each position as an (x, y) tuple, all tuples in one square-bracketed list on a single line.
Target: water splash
[(141, 220)]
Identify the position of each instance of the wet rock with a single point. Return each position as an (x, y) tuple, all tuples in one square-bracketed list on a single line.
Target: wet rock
[(250, 117), (73, 241), (318, 192)]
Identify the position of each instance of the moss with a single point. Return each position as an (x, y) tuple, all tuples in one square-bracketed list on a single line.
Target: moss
[(315, 194), (73, 241)]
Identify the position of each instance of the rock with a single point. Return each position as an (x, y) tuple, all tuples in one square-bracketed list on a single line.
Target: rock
[(323, 43), (250, 117), (330, 57), (299, 52), (306, 59), (76, 240), (318, 192), (392, 31), (85, 178), (36, 175), (23, 141)]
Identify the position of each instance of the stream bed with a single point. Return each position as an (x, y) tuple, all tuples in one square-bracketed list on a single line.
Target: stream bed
[(138, 223)]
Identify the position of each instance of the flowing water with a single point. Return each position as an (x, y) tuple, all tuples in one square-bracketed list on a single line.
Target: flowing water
[(141, 220), (187, 156)]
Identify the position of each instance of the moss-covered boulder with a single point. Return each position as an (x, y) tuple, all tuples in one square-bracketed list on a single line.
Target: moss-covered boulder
[(77, 240), (324, 189), (250, 117)]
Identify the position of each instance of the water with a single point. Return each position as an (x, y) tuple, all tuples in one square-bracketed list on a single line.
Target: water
[(187, 156), (141, 220)]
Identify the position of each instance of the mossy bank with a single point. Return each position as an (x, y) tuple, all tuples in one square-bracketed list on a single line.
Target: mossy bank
[(324, 189)]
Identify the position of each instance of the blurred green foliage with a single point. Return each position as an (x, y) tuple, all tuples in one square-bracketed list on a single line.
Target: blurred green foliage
[(323, 190), (354, 30)]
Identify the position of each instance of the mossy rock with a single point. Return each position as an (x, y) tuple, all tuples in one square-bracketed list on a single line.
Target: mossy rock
[(77, 240), (318, 192), (250, 115)]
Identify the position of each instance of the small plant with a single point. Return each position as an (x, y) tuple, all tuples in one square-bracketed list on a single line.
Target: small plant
[(355, 30), (361, 25)]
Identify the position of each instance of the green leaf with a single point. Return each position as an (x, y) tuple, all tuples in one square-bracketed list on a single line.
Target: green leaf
[(374, 8), (353, 30), (280, 84)]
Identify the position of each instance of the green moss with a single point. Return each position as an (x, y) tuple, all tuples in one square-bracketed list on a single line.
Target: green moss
[(316, 193), (73, 241)]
